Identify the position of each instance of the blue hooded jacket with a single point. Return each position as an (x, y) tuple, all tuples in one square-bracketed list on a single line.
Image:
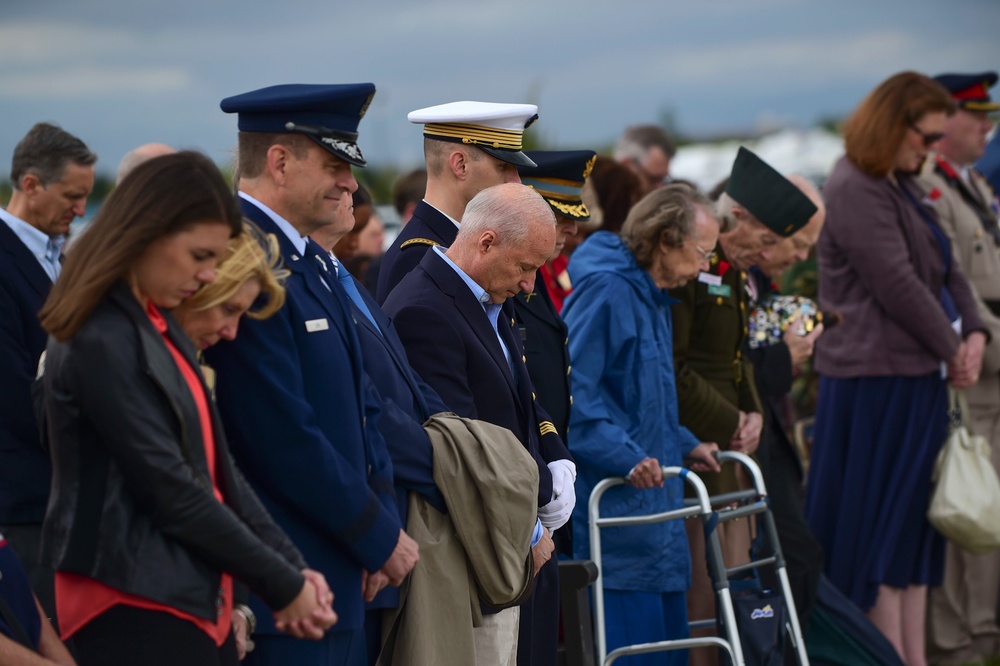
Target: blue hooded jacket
[(625, 410)]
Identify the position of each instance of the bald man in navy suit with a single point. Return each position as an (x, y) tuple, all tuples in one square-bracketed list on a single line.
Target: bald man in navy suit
[(453, 314)]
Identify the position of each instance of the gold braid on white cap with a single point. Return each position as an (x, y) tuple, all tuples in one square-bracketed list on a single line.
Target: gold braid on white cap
[(476, 135)]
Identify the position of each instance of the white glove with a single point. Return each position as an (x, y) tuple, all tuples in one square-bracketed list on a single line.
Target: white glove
[(557, 512)]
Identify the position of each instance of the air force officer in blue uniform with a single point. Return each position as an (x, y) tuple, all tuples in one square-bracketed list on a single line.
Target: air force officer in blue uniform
[(299, 410)]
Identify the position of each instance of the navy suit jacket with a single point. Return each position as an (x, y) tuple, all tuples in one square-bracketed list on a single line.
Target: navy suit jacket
[(25, 470), (301, 418), (451, 344), (406, 402), (427, 227)]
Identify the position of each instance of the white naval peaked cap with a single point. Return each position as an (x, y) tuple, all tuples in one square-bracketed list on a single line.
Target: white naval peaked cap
[(495, 128)]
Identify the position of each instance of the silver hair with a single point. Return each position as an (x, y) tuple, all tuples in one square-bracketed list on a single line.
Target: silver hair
[(511, 210), (724, 211)]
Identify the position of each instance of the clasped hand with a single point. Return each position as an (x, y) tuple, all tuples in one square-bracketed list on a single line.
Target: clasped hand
[(311, 612), (404, 557), (965, 366)]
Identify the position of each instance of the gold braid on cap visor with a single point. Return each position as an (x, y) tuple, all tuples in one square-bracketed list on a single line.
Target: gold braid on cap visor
[(476, 135)]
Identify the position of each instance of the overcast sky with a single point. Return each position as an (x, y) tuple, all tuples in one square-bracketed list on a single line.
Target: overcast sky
[(118, 73)]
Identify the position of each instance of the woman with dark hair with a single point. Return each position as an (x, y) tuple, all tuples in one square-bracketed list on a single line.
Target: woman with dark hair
[(149, 520), (908, 320), (617, 189)]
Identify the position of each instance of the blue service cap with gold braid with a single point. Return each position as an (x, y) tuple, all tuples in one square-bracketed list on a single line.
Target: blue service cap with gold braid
[(971, 91), (770, 197), (494, 128), (327, 114), (559, 175)]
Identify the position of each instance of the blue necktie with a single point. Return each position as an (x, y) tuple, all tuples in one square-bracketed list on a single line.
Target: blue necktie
[(347, 282), (53, 251)]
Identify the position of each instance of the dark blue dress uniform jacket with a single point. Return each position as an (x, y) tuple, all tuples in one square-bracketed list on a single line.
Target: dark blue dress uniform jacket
[(25, 471), (544, 337), (406, 401), (427, 227), (301, 417)]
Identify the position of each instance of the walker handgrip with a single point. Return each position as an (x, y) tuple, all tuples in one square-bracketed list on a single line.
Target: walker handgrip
[(752, 468)]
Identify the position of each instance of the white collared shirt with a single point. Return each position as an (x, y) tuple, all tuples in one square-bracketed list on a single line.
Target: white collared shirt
[(293, 234), (457, 224)]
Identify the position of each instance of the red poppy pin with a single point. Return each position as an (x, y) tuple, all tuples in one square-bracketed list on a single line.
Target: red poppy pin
[(948, 170), (723, 268), (932, 196)]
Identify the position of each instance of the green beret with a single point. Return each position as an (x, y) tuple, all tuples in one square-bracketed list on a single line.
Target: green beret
[(770, 197)]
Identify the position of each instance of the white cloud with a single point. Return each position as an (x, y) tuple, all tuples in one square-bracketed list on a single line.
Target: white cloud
[(37, 42), (94, 81)]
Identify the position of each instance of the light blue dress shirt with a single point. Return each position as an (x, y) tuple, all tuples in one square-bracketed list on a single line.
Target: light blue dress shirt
[(492, 309), (46, 249), (492, 312)]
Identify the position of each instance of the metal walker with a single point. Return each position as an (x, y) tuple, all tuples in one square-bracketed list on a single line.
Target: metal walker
[(752, 501)]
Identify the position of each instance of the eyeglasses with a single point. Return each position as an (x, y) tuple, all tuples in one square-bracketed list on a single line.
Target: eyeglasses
[(929, 138), (707, 255)]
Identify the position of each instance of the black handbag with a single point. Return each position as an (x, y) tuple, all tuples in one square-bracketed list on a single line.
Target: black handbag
[(761, 620), (761, 615)]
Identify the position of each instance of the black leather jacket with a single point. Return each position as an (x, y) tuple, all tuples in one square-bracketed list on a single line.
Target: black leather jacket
[(132, 504)]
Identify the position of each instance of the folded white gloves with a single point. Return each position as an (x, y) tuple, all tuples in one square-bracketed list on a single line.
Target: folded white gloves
[(556, 513)]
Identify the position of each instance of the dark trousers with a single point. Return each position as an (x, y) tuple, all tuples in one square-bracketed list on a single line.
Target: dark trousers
[(538, 633), (26, 541), (127, 636), (338, 648)]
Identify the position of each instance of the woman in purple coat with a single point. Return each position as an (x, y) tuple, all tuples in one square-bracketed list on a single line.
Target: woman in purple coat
[(909, 323)]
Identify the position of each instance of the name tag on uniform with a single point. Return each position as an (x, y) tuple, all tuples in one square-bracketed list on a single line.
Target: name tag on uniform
[(710, 279), (314, 325), (723, 290)]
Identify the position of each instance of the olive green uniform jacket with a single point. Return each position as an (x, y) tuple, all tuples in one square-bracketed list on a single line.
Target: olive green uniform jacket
[(714, 381)]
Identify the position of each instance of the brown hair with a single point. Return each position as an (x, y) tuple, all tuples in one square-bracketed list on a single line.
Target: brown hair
[(875, 131), (410, 188), (252, 147), (665, 216), (617, 188), (45, 151), (161, 197), (437, 152)]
